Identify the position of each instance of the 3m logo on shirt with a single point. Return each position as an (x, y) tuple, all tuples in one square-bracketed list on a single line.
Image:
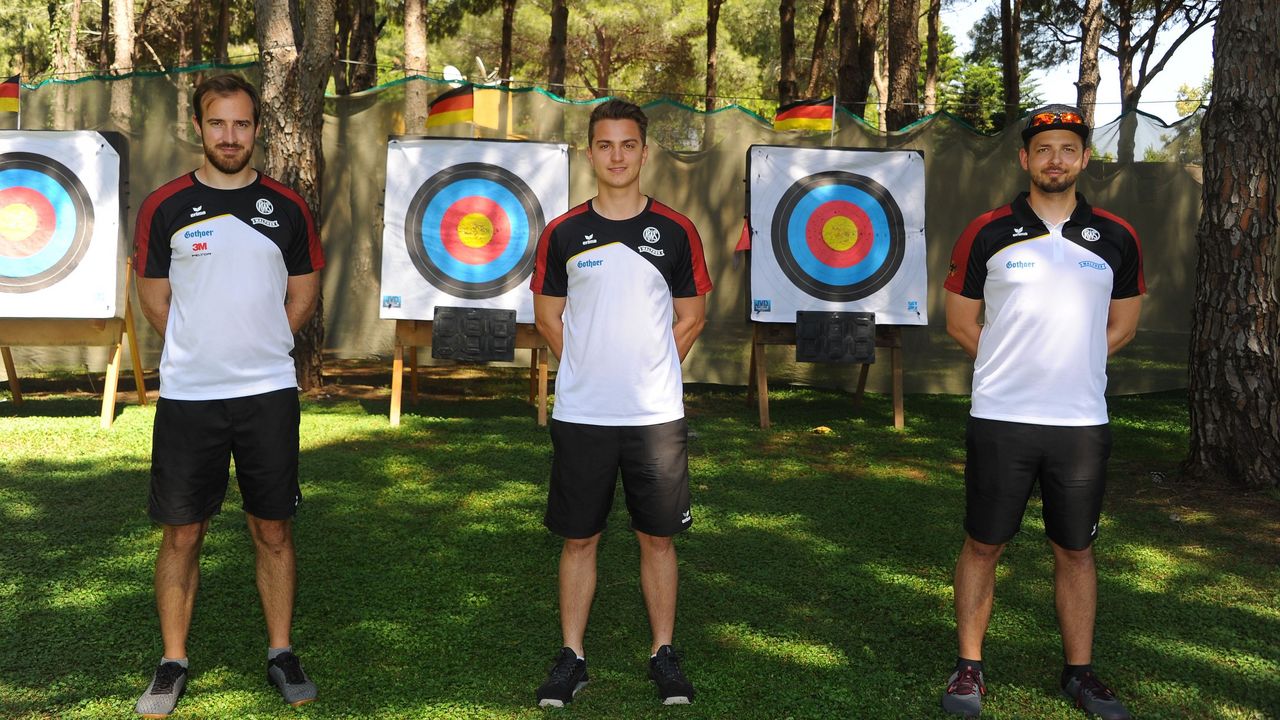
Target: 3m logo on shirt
[(199, 248)]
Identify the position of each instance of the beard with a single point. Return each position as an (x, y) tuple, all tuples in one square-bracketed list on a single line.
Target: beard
[(1053, 185), (229, 165)]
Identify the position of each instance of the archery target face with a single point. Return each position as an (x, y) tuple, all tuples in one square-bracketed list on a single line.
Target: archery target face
[(59, 225), (837, 230), (462, 222)]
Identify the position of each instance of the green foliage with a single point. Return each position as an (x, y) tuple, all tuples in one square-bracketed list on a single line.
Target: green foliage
[(815, 582), (25, 44)]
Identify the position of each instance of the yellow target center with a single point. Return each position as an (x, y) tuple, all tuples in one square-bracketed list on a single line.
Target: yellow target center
[(475, 230), (17, 222), (840, 233)]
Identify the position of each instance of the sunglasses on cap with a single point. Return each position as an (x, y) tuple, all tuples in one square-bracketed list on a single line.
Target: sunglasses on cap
[(1055, 118)]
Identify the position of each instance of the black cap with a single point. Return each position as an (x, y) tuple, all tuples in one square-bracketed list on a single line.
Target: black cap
[(1031, 128)]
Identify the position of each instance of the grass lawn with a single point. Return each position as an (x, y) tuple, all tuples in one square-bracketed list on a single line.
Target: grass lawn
[(816, 581)]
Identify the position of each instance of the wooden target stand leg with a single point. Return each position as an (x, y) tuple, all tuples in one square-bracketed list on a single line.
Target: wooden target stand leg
[(75, 332), (764, 334), (413, 334)]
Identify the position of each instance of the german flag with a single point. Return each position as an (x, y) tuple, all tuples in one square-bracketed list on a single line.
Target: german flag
[(9, 95), (455, 106), (813, 115)]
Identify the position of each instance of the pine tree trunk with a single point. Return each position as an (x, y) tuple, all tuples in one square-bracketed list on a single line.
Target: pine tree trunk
[(363, 48), (1010, 46), (819, 47), (1235, 363), (713, 26), (904, 62), (858, 30), (931, 57), (224, 31), (558, 42), (293, 83), (508, 27), (1090, 76), (786, 51), (122, 90), (415, 63)]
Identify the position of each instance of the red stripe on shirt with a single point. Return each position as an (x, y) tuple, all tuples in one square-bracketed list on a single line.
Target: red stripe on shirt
[(544, 246), (701, 279), (1142, 283), (960, 253), (142, 226), (313, 238)]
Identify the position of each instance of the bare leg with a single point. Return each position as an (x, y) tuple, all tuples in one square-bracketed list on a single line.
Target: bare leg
[(659, 580), (577, 589), (276, 575), (1075, 589), (177, 578), (975, 587)]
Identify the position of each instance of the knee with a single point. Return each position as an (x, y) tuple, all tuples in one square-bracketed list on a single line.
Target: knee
[(271, 535), (1074, 558), (981, 551), (656, 545), (183, 538), (581, 546)]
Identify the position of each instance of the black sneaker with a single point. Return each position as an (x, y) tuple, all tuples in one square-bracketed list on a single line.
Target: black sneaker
[(664, 670), (285, 673), (568, 675), (161, 696), (1090, 695), (964, 692)]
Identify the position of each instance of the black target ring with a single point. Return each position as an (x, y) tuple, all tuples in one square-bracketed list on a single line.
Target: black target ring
[(471, 230), (853, 206), (46, 222)]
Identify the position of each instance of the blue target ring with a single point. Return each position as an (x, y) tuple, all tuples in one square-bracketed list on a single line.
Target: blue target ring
[(471, 230), (869, 242), (433, 217), (46, 222)]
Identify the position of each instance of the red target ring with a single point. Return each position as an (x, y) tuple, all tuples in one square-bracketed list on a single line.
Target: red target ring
[(475, 230), (839, 233), (31, 221)]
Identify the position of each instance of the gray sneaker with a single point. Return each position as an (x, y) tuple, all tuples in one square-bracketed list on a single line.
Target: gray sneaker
[(1090, 695), (286, 674), (161, 696), (964, 692)]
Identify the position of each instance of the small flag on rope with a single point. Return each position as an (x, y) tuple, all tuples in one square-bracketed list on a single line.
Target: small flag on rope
[(455, 106), (813, 115), (9, 95)]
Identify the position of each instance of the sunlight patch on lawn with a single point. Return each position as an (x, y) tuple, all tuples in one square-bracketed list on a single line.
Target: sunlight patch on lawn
[(792, 526), (818, 655), (933, 587)]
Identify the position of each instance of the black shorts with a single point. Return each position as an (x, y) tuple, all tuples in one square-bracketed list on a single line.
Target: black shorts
[(654, 461), (1005, 460), (193, 442)]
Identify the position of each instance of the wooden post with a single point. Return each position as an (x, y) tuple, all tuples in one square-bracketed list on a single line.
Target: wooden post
[(15, 388), (887, 336), (413, 334)]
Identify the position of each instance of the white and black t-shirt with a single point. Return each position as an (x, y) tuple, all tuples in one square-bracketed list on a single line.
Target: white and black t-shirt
[(619, 364), (1042, 354), (228, 255)]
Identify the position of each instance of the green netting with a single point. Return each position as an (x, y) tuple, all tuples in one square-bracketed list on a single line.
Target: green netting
[(697, 165)]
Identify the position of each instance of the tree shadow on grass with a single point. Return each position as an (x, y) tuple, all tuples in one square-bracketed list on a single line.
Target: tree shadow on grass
[(816, 578)]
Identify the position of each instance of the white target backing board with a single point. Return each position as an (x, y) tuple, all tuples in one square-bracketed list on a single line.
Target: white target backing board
[(59, 225), (462, 220), (837, 230)]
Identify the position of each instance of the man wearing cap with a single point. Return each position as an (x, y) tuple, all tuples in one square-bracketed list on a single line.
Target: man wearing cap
[(1061, 286)]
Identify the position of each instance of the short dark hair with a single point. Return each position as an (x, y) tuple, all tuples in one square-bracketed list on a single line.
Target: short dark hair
[(616, 109), (222, 86)]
